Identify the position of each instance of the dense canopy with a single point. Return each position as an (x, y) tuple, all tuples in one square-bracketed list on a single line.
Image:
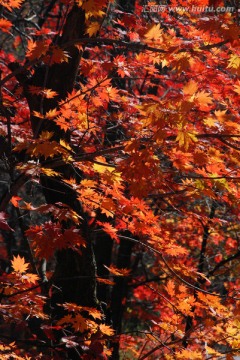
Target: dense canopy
[(119, 179)]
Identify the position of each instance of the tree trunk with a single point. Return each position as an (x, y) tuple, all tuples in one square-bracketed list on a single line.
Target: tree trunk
[(75, 274)]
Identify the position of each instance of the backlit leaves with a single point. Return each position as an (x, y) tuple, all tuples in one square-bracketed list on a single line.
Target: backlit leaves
[(46, 239), (106, 330), (11, 4), (147, 146), (117, 272), (5, 25), (19, 264), (154, 33), (185, 138)]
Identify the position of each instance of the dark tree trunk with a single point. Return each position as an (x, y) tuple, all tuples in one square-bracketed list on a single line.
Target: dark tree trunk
[(75, 274)]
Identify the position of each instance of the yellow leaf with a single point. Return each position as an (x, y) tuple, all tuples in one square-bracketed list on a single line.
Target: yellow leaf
[(210, 121), (49, 172), (234, 62), (116, 271), (93, 28), (96, 314), (190, 88), (185, 138), (237, 88), (51, 114), (101, 168), (19, 264), (211, 351), (203, 98), (31, 278), (106, 329), (154, 33), (65, 144)]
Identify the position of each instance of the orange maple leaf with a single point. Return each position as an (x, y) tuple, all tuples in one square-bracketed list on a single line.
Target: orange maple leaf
[(116, 271), (96, 314), (154, 33), (5, 25), (109, 229), (204, 98), (19, 264), (190, 88), (105, 281), (170, 288), (57, 56), (106, 330), (108, 207), (15, 200), (11, 4), (37, 48), (80, 323), (93, 28)]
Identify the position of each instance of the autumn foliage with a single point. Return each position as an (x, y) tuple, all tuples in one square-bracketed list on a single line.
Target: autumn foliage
[(119, 183)]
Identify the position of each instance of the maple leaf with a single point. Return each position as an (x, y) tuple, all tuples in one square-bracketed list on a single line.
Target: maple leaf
[(108, 207), (48, 172), (5, 25), (92, 28), (113, 93), (57, 56), (79, 323), (51, 114), (48, 93), (37, 48), (211, 351), (211, 122), (170, 288), (116, 271), (68, 340), (175, 250), (185, 305), (154, 33), (203, 98), (106, 330), (237, 87), (234, 61), (190, 88), (15, 200), (67, 319), (70, 238), (185, 138), (11, 4), (105, 281), (19, 265), (109, 229), (92, 8), (31, 278), (96, 314), (3, 222)]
